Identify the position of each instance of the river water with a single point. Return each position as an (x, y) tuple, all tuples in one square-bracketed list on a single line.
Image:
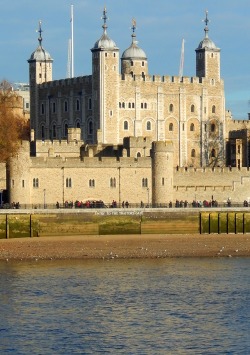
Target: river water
[(163, 306)]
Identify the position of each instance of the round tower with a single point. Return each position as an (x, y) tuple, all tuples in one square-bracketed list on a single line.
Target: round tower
[(162, 172), (40, 71), (105, 87), (18, 172), (134, 60), (207, 57)]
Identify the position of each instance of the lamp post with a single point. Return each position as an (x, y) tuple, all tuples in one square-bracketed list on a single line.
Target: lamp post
[(44, 198)]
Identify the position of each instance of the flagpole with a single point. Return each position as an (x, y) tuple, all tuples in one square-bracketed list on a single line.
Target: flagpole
[(72, 42)]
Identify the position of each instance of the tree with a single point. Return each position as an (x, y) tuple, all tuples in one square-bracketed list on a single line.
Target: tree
[(13, 126)]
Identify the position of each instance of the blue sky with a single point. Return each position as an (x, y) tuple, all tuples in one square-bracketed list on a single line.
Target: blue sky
[(161, 26)]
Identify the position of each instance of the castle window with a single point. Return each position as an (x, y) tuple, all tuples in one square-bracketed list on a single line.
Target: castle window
[(162, 181), (43, 132), (65, 130), (123, 105), (125, 125), (77, 105), (205, 127), (171, 108), (193, 153), (212, 55), (65, 106), (148, 126), (171, 127), (42, 109), (192, 127), (90, 130), (53, 107), (54, 131), (35, 182), (238, 149), (192, 108), (129, 105), (212, 127), (132, 63), (110, 113), (90, 104), (23, 183), (91, 183), (138, 155), (145, 105), (144, 182), (106, 54), (142, 64), (213, 153), (78, 125), (133, 105), (213, 109), (120, 105), (114, 55), (112, 182), (141, 104), (68, 182)]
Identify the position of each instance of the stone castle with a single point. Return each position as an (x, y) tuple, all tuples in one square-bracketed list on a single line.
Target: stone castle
[(124, 135)]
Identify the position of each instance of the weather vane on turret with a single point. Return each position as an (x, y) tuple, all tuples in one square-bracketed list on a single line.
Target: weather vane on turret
[(206, 22), (40, 33), (105, 18)]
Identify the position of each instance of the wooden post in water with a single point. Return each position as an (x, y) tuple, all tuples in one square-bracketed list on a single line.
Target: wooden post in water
[(235, 223), (209, 220), (227, 222), (200, 221), (243, 223), (7, 227), (218, 223), (31, 230)]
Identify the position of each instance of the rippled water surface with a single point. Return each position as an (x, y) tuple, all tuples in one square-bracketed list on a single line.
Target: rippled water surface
[(170, 306)]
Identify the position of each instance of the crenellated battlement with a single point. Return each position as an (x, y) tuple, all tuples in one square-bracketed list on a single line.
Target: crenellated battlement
[(66, 82), (170, 79)]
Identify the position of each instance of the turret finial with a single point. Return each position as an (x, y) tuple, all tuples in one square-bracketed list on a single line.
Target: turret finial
[(40, 33), (105, 18), (206, 22)]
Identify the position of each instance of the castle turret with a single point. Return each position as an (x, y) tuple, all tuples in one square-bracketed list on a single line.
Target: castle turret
[(162, 172), (134, 60), (40, 71), (207, 57), (105, 87)]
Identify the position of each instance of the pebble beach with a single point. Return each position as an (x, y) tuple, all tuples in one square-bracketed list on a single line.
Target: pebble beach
[(125, 246)]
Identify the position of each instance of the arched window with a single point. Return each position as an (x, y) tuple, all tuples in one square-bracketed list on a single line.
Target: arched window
[(42, 109), (144, 182), (212, 127), (129, 105), (171, 127), (138, 155), (171, 108), (192, 108), (112, 182), (148, 126), (65, 106), (53, 107), (54, 131), (123, 105), (193, 153), (35, 182), (77, 105), (125, 125), (120, 105), (213, 153), (78, 125), (68, 182), (91, 183), (145, 105), (90, 104), (90, 130), (213, 109), (192, 127), (65, 130), (43, 132), (133, 105)]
